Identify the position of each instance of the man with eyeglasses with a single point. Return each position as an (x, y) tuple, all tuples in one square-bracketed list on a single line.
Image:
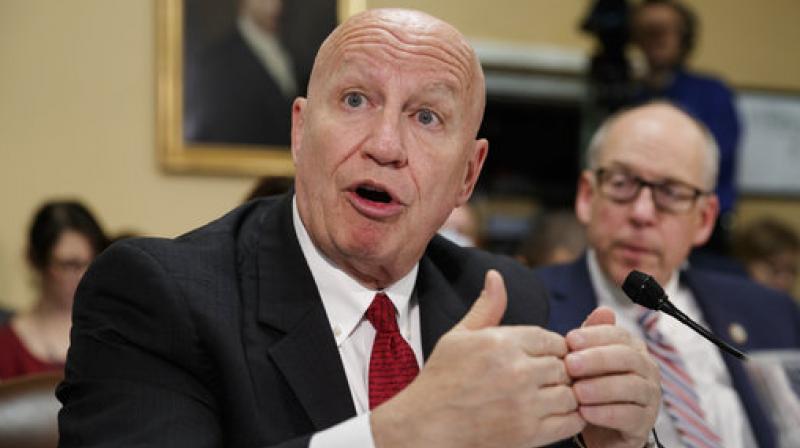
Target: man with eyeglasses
[(646, 199)]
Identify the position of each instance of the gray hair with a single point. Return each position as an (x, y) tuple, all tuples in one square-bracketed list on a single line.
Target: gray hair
[(710, 170)]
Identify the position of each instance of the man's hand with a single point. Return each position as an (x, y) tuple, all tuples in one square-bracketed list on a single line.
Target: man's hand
[(617, 384), (484, 385)]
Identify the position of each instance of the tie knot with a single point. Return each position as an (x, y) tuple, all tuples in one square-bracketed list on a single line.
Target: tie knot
[(381, 313)]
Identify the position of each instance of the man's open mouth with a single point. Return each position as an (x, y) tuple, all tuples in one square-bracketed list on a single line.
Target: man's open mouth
[(374, 194)]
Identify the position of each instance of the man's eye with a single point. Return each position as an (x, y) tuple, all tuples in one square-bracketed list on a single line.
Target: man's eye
[(620, 181), (354, 99), (426, 117), (676, 191)]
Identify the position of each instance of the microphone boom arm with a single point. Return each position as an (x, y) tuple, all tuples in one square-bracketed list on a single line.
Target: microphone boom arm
[(670, 309)]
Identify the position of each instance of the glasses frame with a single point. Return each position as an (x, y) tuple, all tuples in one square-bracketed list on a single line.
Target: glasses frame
[(654, 189)]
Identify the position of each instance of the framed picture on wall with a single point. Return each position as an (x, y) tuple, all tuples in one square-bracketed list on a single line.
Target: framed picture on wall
[(228, 71)]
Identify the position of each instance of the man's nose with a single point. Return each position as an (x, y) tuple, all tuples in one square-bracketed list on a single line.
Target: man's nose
[(385, 145), (643, 207)]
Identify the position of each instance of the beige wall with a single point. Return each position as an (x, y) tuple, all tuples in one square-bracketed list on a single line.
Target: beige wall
[(77, 113), (77, 118), (751, 43)]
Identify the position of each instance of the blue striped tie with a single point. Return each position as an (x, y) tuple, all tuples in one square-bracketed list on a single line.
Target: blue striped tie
[(678, 394)]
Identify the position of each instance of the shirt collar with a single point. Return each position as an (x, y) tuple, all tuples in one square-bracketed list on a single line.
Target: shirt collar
[(345, 300), (608, 292)]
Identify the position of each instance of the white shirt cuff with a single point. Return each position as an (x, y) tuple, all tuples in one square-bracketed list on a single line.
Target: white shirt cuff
[(353, 432)]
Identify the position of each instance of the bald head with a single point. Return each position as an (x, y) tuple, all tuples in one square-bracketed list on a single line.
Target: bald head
[(652, 230), (385, 143), (403, 33), (664, 122)]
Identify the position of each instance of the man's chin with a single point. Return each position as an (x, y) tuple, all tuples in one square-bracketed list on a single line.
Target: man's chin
[(623, 267), (374, 265), (621, 271)]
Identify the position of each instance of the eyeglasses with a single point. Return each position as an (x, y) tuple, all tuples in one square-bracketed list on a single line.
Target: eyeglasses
[(669, 196), (71, 266)]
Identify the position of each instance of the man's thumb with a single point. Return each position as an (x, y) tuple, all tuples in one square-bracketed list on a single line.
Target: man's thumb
[(600, 316), (488, 310)]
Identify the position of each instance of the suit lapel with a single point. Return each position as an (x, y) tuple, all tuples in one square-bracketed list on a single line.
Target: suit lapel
[(294, 329), (440, 306), (309, 360)]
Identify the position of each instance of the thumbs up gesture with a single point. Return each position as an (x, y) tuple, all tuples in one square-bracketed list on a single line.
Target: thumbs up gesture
[(485, 385)]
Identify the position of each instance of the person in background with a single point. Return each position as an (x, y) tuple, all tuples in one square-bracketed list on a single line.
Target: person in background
[(5, 315), (555, 237), (63, 239), (666, 32), (770, 251), (334, 316), (646, 198), (462, 227)]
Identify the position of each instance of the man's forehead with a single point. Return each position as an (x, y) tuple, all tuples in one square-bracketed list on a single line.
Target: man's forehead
[(660, 122), (402, 34), (660, 135), (358, 66)]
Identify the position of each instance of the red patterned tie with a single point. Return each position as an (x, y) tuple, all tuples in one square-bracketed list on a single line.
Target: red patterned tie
[(392, 364)]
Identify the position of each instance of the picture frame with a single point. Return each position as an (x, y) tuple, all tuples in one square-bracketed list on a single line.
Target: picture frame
[(188, 32)]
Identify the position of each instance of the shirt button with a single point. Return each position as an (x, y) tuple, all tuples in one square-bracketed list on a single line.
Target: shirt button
[(337, 331)]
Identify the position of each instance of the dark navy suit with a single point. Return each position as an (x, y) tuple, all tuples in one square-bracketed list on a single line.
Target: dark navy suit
[(770, 319)]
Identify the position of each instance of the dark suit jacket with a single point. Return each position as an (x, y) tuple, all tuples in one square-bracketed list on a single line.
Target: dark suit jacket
[(219, 337), (770, 319)]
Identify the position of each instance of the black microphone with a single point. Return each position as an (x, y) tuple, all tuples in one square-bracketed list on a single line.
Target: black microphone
[(645, 290)]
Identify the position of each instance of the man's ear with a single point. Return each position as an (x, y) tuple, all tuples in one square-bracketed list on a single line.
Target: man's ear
[(708, 210), (298, 120), (584, 197), (480, 149)]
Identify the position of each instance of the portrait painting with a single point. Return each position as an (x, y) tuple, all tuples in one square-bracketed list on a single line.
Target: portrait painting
[(229, 71)]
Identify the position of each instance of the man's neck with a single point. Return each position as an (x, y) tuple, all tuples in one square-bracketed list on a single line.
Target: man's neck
[(376, 280)]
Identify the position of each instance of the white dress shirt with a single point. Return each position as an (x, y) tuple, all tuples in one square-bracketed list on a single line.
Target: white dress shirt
[(345, 301), (718, 399)]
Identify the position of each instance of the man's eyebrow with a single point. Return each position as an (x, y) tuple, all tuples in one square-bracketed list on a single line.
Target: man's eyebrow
[(660, 179), (441, 88), (351, 67), (357, 69)]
